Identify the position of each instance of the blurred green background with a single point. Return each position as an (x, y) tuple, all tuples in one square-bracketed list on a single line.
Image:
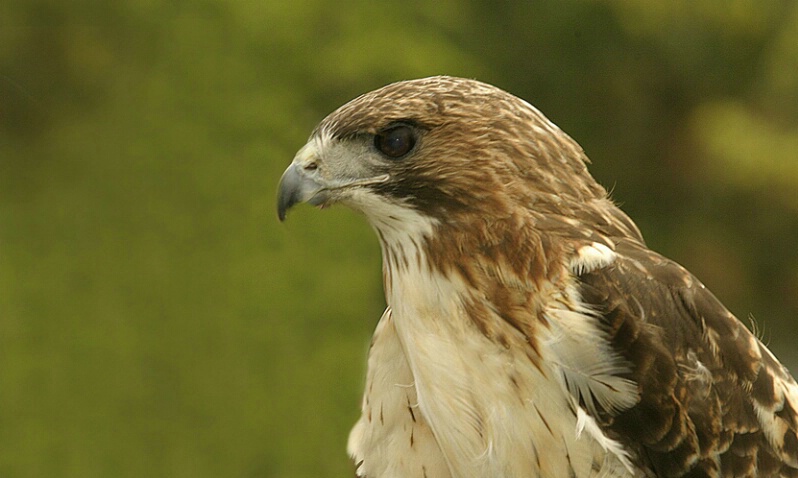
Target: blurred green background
[(156, 319)]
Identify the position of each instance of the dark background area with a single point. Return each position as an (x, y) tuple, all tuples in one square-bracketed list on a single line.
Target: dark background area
[(157, 320)]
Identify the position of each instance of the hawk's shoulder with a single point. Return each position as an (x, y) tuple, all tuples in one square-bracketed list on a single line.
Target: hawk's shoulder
[(713, 399)]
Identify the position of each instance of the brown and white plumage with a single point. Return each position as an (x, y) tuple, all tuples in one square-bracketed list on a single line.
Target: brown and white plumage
[(529, 330)]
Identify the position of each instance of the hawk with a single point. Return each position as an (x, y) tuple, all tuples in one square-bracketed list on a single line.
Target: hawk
[(529, 330)]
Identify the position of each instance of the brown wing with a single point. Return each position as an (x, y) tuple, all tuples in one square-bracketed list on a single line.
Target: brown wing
[(713, 400)]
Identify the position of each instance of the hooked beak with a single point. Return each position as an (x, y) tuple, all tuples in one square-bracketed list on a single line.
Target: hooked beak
[(296, 186), (303, 182)]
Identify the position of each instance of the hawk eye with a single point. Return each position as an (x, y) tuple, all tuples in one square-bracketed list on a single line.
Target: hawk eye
[(395, 141)]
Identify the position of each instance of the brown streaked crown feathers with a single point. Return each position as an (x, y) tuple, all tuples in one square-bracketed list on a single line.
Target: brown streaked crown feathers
[(529, 329)]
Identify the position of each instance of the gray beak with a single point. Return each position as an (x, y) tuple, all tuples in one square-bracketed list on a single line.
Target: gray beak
[(303, 181), (296, 186)]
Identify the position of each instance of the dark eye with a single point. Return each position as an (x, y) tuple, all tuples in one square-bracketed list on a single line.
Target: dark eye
[(395, 141)]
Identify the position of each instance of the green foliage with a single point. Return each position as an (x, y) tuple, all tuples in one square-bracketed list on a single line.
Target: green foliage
[(157, 320)]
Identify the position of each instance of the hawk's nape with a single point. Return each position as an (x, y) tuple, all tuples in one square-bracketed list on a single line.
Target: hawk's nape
[(529, 330)]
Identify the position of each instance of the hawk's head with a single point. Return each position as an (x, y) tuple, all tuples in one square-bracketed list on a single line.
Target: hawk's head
[(460, 172), (442, 147)]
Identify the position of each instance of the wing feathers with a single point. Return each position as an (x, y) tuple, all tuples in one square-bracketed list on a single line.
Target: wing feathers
[(713, 400)]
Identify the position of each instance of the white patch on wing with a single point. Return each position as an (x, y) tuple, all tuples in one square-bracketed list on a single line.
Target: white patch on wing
[(579, 351), (586, 423), (592, 257)]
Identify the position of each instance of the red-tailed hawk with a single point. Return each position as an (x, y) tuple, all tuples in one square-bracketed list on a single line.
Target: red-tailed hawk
[(529, 331)]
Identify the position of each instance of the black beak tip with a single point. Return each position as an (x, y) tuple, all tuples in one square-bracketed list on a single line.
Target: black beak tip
[(288, 196), (284, 203), (290, 191)]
